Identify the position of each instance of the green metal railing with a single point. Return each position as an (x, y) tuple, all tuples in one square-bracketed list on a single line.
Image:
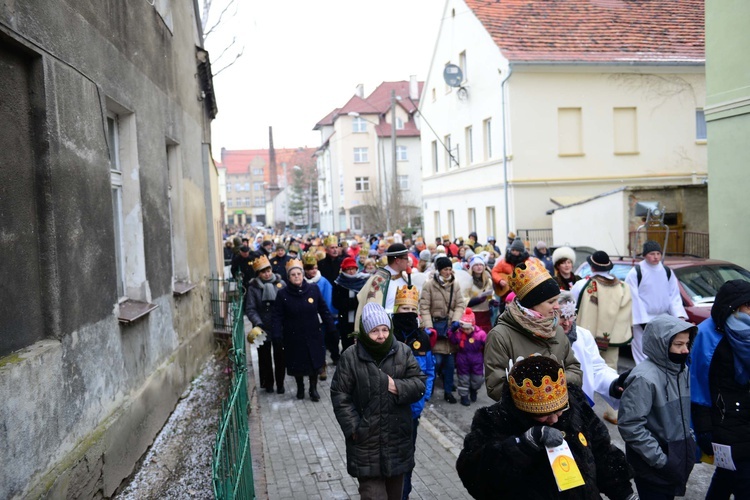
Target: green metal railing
[(232, 468)]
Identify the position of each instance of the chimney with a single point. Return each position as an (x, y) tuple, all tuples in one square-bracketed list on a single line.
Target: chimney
[(413, 88), (273, 180), (360, 92)]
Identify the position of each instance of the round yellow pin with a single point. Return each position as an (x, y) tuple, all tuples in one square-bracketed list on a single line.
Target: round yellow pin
[(310, 300), (417, 344), (582, 439), (471, 340)]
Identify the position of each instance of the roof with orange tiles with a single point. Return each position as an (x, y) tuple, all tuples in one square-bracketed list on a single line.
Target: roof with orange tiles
[(378, 104), (241, 161), (595, 31)]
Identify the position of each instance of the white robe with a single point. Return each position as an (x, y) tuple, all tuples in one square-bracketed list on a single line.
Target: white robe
[(655, 295), (390, 299), (597, 376)]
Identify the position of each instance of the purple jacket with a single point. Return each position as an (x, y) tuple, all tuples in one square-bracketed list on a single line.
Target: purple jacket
[(470, 355)]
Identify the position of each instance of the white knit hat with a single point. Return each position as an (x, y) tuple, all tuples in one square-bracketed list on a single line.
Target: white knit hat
[(477, 260), (563, 253), (374, 315)]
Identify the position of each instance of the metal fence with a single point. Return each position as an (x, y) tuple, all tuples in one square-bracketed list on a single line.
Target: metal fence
[(530, 237), (679, 242), (232, 469)]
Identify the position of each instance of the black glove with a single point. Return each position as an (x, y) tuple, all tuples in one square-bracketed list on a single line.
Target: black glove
[(618, 385), (541, 436), (704, 440), (455, 325)]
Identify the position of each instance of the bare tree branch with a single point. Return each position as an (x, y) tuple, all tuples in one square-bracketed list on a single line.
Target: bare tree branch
[(221, 15), (216, 73), (217, 59)]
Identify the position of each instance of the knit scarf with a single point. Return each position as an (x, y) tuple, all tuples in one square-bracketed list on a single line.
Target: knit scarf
[(737, 330), (269, 289), (352, 282), (532, 322), (377, 351)]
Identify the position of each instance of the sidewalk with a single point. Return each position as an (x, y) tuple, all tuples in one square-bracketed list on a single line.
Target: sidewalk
[(304, 456)]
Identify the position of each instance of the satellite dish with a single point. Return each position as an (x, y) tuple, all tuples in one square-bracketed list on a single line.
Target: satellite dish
[(453, 75)]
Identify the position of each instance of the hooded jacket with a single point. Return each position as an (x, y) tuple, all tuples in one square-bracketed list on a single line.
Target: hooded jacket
[(654, 416), (377, 424)]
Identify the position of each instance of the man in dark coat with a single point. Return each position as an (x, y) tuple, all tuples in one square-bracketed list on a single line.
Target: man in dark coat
[(330, 266), (505, 453), (279, 261)]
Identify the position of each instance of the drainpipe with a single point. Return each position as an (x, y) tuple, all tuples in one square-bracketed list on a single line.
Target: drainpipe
[(505, 153)]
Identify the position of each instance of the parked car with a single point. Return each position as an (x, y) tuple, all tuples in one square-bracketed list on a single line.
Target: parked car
[(699, 279)]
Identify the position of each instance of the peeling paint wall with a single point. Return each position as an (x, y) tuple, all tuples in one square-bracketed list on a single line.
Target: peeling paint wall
[(84, 395)]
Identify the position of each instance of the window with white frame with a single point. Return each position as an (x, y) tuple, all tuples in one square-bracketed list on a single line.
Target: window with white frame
[(399, 123), (469, 145), (451, 222), (258, 171), (246, 187), (360, 155), (448, 158), (472, 213), (402, 153), (490, 215), (436, 221), (359, 125), (462, 65), (434, 149), (238, 187), (403, 182), (229, 187), (246, 202), (361, 184), (487, 139), (259, 202), (230, 203), (701, 133), (126, 199), (257, 186)]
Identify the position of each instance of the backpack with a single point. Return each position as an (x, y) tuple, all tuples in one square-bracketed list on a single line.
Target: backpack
[(639, 274)]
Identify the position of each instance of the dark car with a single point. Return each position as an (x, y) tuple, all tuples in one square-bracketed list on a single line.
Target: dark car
[(699, 279)]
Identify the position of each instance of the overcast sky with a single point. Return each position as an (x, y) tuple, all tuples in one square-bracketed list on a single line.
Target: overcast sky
[(303, 58)]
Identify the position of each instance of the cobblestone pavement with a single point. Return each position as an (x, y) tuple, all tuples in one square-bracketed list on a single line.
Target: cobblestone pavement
[(304, 455)]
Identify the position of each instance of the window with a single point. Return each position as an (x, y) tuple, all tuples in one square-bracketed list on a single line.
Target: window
[(436, 218), (403, 182), (569, 132), (469, 146), (448, 88), (700, 125), (434, 95), (487, 132), (462, 65), (115, 176), (238, 187), (246, 202), (402, 153), (230, 203), (259, 202), (399, 123), (359, 124), (361, 184), (258, 171), (257, 186), (448, 153), (434, 156), (360, 155), (229, 188), (472, 213), (490, 212), (451, 222), (625, 128), (246, 187)]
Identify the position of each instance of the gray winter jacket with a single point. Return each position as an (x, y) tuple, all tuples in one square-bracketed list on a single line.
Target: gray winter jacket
[(377, 424), (654, 416)]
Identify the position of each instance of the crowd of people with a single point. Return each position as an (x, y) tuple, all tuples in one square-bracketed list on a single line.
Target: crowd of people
[(401, 317)]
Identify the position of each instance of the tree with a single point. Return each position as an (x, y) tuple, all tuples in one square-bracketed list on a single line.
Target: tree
[(297, 203), (212, 18)]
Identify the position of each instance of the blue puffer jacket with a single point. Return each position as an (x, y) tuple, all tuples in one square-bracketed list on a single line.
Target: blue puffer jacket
[(419, 342), (654, 416)]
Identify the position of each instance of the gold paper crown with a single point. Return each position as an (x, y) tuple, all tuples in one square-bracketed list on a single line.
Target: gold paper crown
[(261, 263), (364, 251), (309, 259), (293, 263), (294, 248), (522, 281), (382, 261), (331, 241), (407, 296), (547, 397)]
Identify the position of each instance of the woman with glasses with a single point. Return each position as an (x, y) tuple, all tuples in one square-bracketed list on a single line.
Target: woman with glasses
[(505, 453)]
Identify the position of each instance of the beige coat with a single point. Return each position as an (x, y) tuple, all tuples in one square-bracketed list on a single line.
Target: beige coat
[(606, 308), (433, 303), (507, 341)]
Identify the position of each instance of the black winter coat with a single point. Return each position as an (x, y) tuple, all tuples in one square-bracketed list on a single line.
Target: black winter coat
[(295, 320), (343, 304), (493, 464), (377, 425), (258, 310), (330, 268)]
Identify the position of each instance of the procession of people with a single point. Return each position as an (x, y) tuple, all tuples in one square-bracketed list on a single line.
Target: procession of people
[(401, 318)]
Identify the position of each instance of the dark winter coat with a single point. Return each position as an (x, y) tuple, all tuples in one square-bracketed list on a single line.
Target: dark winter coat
[(343, 304), (377, 425), (470, 354), (330, 268), (244, 266), (494, 464), (546, 258), (295, 320), (720, 405), (278, 265), (654, 414), (259, 311)]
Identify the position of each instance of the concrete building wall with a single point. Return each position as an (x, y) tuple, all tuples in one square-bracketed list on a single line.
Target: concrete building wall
[(83, 394), (728, 121), (600, 223)]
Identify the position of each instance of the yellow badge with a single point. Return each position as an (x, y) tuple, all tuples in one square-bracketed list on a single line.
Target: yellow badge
[(417, 344), (310, 300), (278, 285), (471, 340), (582, 439)]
